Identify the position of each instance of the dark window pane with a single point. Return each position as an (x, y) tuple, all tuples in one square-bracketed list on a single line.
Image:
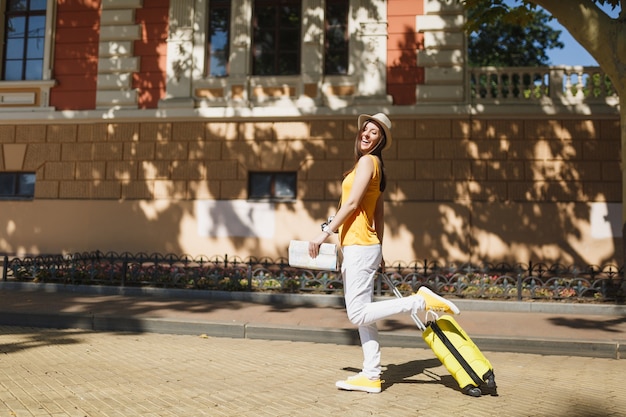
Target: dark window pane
[(288, 64), (289, 40), (7, 184), (265, 16), (260, 186), (289, 17), (337, 65), (272, 185), (26, 185), (265, 41), (17, 185), (336, 37), (17, 5), (276, 37), (264, 65), (285, 186)]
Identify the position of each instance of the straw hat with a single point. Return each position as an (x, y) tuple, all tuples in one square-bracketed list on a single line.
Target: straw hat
[(382, 120)]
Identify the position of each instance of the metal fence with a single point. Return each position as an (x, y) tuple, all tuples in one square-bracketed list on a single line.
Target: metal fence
[(532, 281)]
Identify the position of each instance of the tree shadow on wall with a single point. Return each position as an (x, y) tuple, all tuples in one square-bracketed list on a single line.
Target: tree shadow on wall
[(511, 191), (549, 172), (494, 184)]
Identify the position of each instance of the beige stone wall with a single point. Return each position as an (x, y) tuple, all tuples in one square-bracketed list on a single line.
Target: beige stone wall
[(459, 190)]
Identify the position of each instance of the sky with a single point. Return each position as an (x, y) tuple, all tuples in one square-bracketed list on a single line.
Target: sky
[(573, 53)]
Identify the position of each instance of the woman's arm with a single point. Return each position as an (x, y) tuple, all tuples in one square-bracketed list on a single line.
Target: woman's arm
[(379, 218), (379, 223)]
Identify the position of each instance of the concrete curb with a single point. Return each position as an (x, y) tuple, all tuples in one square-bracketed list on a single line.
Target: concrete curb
[(313, 300), (301, 334), (95, 322)]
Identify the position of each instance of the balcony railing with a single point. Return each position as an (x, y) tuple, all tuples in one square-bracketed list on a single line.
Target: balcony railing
[(525, 84)]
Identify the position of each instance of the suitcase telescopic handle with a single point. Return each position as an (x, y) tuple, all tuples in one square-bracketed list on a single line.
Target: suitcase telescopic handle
[(419, 323)]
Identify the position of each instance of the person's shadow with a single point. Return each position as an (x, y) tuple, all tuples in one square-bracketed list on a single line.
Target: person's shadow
[(402, 374)]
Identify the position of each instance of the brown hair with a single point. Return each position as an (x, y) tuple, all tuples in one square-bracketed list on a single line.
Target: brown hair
[(377, 151)]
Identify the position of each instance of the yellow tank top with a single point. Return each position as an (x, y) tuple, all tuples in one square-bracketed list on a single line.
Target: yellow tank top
[(358, 229)]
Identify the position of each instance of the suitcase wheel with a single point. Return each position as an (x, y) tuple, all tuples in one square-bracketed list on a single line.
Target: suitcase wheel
[(490, 379), (472, 391)]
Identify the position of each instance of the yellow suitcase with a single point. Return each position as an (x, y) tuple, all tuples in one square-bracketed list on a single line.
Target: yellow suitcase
[(461, 357), (456, 351)]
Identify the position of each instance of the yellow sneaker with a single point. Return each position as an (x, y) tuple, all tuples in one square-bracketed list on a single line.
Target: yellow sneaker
[(437, 303), (360, 382)]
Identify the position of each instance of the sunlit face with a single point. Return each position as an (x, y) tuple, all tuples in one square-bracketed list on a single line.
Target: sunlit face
[(369, 137)]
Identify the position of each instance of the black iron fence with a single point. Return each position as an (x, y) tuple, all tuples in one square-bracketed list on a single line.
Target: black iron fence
[(532, 281)]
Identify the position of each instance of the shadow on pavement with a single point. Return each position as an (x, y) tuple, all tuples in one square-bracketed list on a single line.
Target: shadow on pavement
[(591, 323), (33, 338), (402, 374)]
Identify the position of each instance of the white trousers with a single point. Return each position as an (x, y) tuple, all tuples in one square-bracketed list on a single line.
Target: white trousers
[(358, 269)]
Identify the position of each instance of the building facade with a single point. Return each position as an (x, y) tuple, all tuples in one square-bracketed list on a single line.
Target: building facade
[(224, 127)]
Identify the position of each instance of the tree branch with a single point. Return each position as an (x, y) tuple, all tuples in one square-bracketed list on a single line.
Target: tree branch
[(596, 31)]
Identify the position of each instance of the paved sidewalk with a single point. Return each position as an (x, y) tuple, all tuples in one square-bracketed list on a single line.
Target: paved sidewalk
[(111, 352), (543, 328), (81, 373)]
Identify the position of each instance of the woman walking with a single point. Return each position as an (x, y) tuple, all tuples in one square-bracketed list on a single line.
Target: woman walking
[(360, 224)]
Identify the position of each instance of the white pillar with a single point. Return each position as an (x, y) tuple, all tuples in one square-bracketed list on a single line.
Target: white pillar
[(179, 55), (240, 65), (444, 54), (368, 50), (312, 60)]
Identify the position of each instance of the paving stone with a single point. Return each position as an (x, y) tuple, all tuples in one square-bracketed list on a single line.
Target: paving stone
[(78, 373)]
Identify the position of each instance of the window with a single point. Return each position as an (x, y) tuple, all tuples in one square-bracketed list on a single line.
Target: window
[(17, 185), (24, 36), (276, 37), (272, 185), (336, 38), (219, 38)]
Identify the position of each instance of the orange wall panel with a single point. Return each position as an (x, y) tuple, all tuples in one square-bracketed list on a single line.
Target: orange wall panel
[(400, 7), (69, 19), (401, 58), (72, 100), (78, 5), (406, 40), (74, 52), (405, 76), (402, 44), (152, 50), (401, 21), (76, 55), (401, 95), (148, 49)]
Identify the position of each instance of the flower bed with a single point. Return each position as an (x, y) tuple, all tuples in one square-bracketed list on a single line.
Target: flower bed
[(486, 281)]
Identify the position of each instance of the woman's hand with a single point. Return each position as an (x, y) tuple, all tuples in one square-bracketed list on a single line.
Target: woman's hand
[(314, 245)]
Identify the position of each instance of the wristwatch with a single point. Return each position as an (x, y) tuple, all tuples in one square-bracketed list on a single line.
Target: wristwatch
[(326, 228)]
